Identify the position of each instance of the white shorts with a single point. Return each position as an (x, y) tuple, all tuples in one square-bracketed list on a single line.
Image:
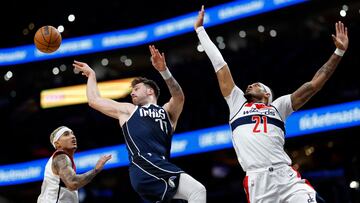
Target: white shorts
[(280, 184)]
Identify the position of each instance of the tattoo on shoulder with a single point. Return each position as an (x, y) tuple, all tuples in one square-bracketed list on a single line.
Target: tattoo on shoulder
[(61, 161)]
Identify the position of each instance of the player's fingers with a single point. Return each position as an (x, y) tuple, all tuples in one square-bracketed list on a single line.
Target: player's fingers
[(151, 50), (106, 158), (163, 55), (346, 31), (341, 27), (78, 62)]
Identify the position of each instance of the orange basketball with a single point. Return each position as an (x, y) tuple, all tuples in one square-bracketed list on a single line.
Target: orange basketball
[(47, 39)]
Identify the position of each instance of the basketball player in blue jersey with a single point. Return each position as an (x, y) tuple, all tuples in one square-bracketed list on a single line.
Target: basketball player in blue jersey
[(258, 124), (148, 129)]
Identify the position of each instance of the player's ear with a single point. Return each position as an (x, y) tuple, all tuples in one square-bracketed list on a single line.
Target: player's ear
[(57, 144), (150, 91), (267, 96)]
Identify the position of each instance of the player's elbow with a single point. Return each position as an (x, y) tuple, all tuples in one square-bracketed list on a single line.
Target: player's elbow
[(181, 97), (315, 86), (93, 102), (73, 186)]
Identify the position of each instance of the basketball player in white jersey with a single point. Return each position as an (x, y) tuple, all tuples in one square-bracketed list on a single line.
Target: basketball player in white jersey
[(61, 182), (257, 124)]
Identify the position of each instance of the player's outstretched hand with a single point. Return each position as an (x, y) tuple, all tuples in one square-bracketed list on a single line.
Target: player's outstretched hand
[(101, 162), (200, 19), (157, 59), (83, 68), (341, 39)]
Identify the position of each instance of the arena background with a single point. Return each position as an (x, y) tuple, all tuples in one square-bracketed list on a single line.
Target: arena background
[(329, 159)]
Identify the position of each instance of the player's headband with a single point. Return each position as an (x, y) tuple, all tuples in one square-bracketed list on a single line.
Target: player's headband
[(267, 90), (59, 133)]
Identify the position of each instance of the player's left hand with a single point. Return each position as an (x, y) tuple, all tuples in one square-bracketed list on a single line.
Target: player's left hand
[(101, 162), (157, 59), (341, 39)]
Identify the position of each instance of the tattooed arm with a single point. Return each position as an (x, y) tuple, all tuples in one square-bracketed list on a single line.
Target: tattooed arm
[(309, 89), (63, 167), (175, 105)]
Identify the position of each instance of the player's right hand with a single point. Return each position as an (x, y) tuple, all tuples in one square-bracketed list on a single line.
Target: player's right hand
[(341, 39), (200, 19), (83, 68)]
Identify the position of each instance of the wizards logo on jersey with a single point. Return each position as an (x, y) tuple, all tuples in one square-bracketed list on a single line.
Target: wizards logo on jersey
[(263, 111)]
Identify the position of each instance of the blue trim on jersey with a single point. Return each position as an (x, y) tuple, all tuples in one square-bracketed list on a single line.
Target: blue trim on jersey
[(248, 120), (132, 148)]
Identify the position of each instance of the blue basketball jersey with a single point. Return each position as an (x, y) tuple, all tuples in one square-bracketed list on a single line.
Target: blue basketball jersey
[(148, 130)]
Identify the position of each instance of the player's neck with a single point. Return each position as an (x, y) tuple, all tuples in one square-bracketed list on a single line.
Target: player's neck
[(70, 152), (255, 100), (151, 100)]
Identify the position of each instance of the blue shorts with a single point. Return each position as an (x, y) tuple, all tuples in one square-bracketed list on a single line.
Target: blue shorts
[(154, 178)]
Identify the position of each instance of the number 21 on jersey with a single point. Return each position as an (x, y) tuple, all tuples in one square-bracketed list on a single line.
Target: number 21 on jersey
[(257, 120)]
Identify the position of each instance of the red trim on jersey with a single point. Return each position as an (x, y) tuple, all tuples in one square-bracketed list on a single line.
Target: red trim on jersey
[(297, 172), (308, 183), (299, 176), (246, 187), (59, 151), (257, 105)]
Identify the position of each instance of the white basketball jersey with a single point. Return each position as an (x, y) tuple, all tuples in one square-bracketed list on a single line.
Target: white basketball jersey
[(258, 130), (51, 189)]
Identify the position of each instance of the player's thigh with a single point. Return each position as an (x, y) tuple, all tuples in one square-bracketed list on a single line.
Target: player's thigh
[(302, 197)]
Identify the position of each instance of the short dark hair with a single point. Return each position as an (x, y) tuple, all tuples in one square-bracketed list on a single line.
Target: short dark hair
[(150, 83)]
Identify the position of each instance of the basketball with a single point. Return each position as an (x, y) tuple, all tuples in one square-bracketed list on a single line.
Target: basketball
[(47, 39)]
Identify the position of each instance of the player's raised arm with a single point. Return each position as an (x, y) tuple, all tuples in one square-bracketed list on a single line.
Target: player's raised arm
[(175, 105), (106, 106), (222, 70), (308, 89)]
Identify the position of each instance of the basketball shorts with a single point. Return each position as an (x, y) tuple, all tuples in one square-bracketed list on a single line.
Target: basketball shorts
[(281, 184), (154, 178)]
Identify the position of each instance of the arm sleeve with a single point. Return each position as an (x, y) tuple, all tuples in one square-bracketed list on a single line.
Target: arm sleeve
[(211, 50), (284, 106), (235, 100)]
